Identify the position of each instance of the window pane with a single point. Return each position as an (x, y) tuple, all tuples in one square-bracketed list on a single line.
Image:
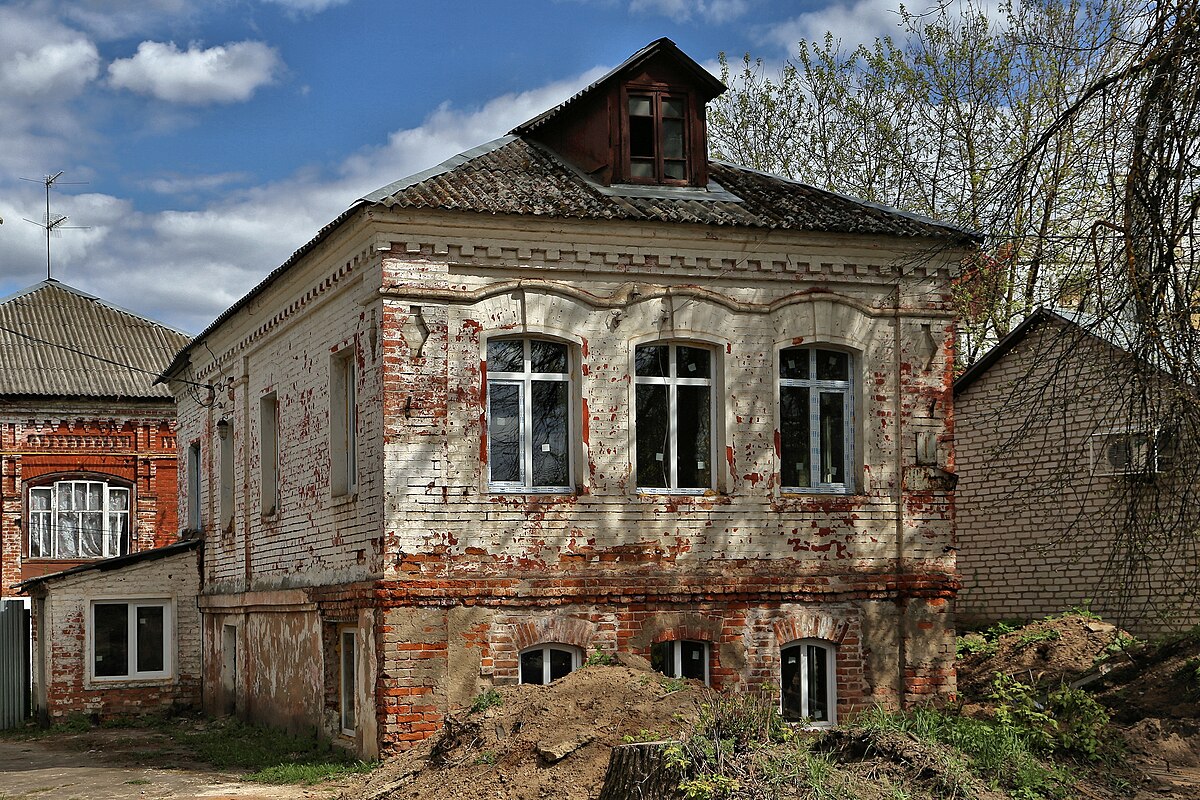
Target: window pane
[(118, 499), (692, 362), (110, 639), (150, 633), (561, 662), (693, 423), (652, 444), (662, 658), (818, 683), (91, 531), (504, 431), (95, 496), (833, 441), (672, 133), (651, 361), (793, 363), (640, 106), (673, 106), (66, 534), (531, 667), (40, 541), (506, 355), (832, 366), (795, 444), (548, 357), (641, 137), (551, 458), (641, 169), (692, 660), (674, 170), (792, 682)]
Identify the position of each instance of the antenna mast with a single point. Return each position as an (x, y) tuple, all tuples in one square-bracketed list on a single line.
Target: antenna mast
[(52, 224)]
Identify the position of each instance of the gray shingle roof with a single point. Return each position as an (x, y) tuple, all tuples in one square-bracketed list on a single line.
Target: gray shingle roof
[(514, 176), (56, 341)]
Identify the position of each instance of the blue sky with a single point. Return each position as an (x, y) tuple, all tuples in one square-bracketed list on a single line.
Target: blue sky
[(214, 137)]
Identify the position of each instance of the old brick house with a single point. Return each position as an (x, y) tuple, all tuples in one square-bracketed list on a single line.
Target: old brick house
[(88, 440), (579, 388), (88, 456), (1071, 477)]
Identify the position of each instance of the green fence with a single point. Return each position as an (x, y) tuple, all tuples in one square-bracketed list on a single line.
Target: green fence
[(14, 663)]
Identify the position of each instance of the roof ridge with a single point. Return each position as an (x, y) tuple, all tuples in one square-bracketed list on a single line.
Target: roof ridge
[(52, 283)]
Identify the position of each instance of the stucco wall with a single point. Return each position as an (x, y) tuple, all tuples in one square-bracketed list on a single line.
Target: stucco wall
[(63, 640)]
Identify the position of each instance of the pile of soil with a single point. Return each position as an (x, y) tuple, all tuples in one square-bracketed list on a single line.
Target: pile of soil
[(1043, 653), (538, 741)]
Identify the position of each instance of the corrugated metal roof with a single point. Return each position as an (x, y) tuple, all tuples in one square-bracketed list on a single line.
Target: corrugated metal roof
[(56, 341), (514, 176), (109, 564)]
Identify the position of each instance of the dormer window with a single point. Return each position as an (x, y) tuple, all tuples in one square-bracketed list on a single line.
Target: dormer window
[(657, 137)]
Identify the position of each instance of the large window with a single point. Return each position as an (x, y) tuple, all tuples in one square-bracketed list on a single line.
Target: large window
[(808, 683), (131, 639), (78, 519), (548, 662), (529, 413), (816, 447), (673, 389), (681, 658), (343, 425), (657, 137)]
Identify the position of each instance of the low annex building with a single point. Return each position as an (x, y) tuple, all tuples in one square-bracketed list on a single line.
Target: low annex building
[(579, 389)]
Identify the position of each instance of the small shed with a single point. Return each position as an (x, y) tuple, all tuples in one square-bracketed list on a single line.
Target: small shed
[(118, 637)]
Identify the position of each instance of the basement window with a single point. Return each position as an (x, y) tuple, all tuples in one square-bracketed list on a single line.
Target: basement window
[(808, 682), (529, 416), (549, 662), (131, 639), (681, 658), (673, 386), (816, 415)]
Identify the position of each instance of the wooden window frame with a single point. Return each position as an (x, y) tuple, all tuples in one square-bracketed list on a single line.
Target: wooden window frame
[(657, 93)]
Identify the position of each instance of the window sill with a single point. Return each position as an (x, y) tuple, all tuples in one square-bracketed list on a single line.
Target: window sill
[(123, 682), (644, 492), (343, 499), (815, 490), (519, 490)]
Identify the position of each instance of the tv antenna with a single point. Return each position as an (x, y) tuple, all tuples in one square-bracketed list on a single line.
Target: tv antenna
[(53, 224)]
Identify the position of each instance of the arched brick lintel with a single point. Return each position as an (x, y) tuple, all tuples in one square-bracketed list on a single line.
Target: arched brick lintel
[(816, 625), (564, 630)]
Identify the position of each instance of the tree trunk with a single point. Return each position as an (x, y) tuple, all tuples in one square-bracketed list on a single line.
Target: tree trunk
[(640, 772)]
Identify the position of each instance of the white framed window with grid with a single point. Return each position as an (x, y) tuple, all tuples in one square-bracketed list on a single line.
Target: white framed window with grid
[(529, 413), (816, 420), (674, 418), (78, 518)]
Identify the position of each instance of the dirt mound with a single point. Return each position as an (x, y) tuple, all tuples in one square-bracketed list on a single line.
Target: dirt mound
[(1160, 680), (1042, 653), (537, 741)]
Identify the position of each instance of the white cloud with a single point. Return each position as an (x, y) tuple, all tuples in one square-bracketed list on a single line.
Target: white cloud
[(188, 184), (714, 11), (858, 22), (223, 74), (60, 70), (307, 6), (121, 19), (189, 266)]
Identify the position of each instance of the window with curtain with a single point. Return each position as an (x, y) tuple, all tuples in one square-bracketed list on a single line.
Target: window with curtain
[(78, 518)]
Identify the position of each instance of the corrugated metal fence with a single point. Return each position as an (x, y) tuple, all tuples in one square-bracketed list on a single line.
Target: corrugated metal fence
[(14, 663)]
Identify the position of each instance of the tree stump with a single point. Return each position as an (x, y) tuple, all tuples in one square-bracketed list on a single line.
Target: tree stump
[(640, 772)]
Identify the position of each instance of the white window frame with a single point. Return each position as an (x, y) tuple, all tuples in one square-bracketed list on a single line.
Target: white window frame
[(524, 381), (1099, 442), (107, 537), (343, 424), (348, 650), (675, 648), (830, 651), (268, 453), (576, 659), (673, 382), (132, 604), (847, 389)]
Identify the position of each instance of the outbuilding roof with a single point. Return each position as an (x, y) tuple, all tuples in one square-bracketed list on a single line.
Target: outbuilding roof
[(109, 564), (57, 341)]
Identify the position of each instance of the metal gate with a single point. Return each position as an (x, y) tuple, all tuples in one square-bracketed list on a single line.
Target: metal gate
[(14, 663)]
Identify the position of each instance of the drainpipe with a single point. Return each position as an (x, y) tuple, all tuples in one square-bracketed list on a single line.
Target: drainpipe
[(901, 589)]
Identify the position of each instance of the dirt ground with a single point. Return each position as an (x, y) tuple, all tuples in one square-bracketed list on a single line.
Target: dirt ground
[(104, 765), (537, 742)]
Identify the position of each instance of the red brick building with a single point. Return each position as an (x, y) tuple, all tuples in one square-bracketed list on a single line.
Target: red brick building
[(87, 441), (579, 388)]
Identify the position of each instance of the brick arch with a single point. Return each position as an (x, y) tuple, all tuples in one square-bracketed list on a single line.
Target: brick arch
[(829, 626), (686, 625), (563, 630)]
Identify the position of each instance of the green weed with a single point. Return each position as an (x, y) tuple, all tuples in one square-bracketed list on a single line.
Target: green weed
[(307, 774), (600, 658), (485, 700)]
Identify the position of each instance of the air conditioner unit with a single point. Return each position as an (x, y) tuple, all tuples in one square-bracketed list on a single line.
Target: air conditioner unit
[(1124, 453)]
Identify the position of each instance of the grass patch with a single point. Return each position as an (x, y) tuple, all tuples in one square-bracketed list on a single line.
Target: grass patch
[(485, 700), (307, 774)]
